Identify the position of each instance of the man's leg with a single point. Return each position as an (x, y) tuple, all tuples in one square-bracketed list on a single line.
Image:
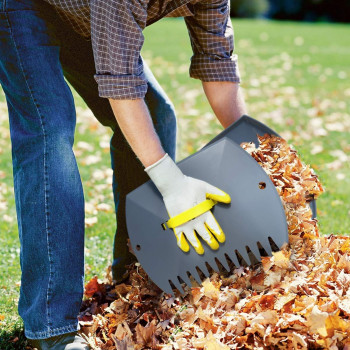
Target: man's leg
[(78, 65), (48, 191)]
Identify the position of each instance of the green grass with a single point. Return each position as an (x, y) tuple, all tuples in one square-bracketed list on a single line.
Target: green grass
[(295, 79)]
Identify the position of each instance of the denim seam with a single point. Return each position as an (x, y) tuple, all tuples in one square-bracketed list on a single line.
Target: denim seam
[(52, 332), (169, 112), (46, 192)]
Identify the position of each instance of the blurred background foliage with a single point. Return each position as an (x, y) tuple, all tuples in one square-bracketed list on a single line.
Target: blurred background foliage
[(297, 10)]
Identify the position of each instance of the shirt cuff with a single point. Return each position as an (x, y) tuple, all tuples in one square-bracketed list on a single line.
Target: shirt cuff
[(207, 68), (121, 87)]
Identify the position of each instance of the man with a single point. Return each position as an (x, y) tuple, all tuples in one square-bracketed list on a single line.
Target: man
[(36, 49)]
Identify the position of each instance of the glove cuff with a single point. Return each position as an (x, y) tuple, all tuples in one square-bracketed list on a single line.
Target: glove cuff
[(165, 174)]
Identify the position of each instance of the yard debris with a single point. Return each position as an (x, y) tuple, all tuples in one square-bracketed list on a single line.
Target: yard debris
[(297, 299)]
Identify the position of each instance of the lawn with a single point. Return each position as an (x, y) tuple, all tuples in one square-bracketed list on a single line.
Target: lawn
[(295, 79)]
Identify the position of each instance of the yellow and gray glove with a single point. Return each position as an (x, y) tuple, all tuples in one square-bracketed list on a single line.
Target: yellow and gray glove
[(188, 202)]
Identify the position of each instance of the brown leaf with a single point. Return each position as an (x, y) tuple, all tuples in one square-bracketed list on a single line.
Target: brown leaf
[(213, 344), (210, 290), (145, 336), (317, 321), (92, 287), (124, 344), (336, 323)]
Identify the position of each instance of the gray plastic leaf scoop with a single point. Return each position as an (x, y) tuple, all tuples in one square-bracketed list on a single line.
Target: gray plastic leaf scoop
[(254, 216)]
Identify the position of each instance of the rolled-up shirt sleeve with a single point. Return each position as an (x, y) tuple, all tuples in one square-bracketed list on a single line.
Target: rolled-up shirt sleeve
[(212, 42), (117, 39)]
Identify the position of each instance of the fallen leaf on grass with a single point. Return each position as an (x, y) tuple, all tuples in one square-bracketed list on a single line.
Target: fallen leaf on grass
[(92, 287)]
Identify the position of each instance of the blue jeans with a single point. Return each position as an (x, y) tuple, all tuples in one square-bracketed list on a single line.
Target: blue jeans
[(37, 50)]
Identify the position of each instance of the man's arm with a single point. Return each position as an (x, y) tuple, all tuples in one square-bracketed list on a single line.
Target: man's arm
[(212, 42), (213, 60), (136, 124), (226, 100), (117, 39)]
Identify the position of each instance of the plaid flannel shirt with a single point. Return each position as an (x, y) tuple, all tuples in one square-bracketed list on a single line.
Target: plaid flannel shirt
[(115, 28)]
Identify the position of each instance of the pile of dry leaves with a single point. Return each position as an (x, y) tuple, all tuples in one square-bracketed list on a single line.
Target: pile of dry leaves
[(297, 299)]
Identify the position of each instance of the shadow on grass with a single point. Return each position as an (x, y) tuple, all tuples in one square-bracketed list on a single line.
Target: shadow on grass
[(12, 338)]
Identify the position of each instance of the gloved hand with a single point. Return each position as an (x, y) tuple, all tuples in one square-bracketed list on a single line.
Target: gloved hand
[(181, 194)]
